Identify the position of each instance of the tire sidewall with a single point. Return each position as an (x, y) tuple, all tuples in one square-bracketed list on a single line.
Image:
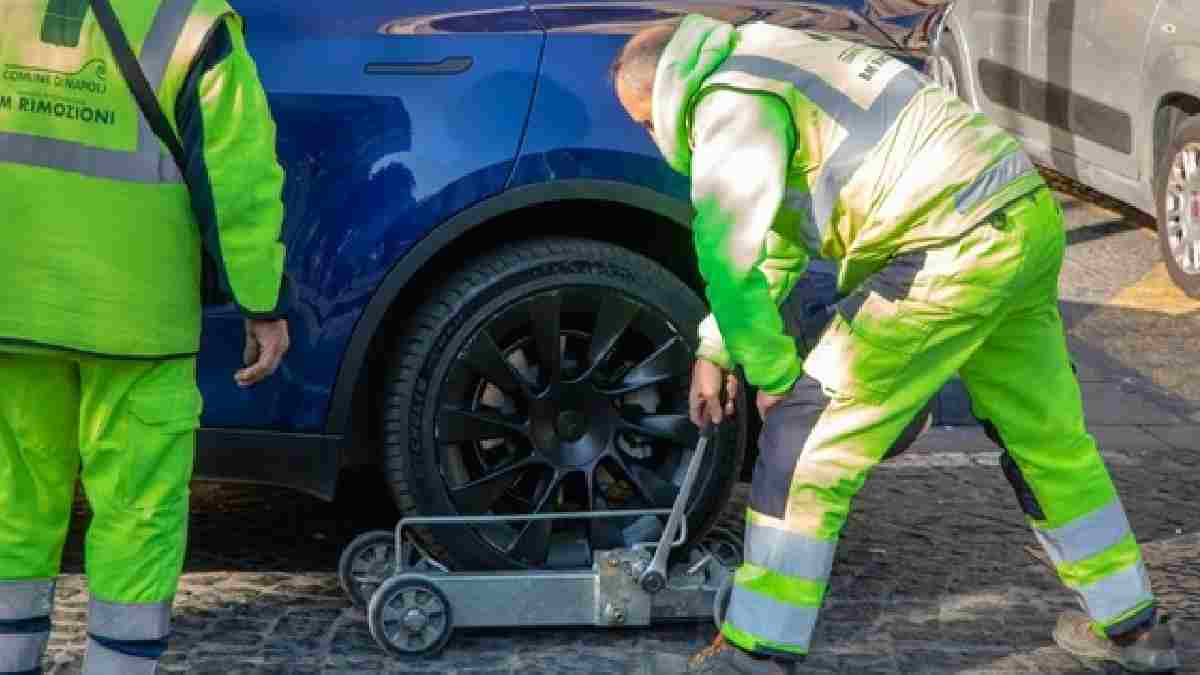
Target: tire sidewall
[(560, 264), (1186, 131)]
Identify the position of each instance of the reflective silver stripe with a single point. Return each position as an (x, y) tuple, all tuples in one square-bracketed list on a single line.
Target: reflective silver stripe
[(789, 553), (26, 599), (129, 622), (1114, 595), (768, 619), (865, 127), (1085, 536), (20, 653), (101, 660), (149, 163), (992, 180)]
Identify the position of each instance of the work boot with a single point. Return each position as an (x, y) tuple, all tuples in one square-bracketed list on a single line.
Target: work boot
[(1149, 650), (723, 658)]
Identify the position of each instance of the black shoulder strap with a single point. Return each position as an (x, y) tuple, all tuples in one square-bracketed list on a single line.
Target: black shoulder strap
[(135, 78)]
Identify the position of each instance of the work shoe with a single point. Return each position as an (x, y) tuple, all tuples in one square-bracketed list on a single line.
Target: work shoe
[(1151, 650), (723, 658)]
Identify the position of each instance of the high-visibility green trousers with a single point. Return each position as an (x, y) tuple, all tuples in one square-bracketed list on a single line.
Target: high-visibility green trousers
[(126, 429), (984, 307)]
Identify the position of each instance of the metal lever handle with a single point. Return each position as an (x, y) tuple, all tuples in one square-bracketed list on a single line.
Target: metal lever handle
[(654, 579)]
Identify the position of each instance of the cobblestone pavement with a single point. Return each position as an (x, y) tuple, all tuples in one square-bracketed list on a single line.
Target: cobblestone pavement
[(932, 574)]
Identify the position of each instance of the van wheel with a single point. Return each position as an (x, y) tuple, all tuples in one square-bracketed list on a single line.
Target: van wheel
[(1178, 199), (550, 376)]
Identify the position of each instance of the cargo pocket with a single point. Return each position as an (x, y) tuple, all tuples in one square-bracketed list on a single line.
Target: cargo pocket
[(164, 415), (867, 348)]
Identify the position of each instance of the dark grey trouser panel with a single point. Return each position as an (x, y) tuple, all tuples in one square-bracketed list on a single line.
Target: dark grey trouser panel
[(784, 433), (912, 432), (1012, 472)]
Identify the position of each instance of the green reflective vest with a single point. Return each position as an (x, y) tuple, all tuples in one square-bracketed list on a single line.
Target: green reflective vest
[(100, 250), (869, 159)]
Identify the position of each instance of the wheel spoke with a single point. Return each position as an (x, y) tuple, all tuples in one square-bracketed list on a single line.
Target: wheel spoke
[(545, 312), (457, 426), (612, 320), (675, 428), (533, 541), (485, 358), (673, 359), (479, 495), (1189, 164), (660, 492)]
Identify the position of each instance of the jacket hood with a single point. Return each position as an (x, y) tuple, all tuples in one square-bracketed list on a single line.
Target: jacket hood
[(699, 47)]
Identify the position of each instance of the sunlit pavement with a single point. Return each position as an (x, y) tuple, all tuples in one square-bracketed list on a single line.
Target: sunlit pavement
[(932, 574)]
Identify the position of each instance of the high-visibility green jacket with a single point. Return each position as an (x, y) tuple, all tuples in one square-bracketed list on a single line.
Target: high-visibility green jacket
[(100, 233), (800, 144)]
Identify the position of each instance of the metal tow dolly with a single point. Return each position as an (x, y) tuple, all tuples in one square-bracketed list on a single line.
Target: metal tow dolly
[(414, 603)]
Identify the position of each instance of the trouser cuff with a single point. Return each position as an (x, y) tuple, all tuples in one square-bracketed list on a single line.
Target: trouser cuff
[(26, 599), (1143, 619), (25, 608), (105, 659), (126, 639), (129, 622)]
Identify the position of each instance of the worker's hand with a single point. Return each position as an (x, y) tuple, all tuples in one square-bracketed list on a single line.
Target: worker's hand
[(266, 343), (766, 402), (704, 399)]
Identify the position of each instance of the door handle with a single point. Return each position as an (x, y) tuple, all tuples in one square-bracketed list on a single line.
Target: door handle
[(451, 65)]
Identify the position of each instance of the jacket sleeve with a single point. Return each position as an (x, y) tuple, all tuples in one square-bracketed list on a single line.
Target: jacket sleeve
[(743, 145), (233, 174)]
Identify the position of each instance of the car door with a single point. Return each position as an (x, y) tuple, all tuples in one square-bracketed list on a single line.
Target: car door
[(1086, 59), (998, 42), (392, 116)]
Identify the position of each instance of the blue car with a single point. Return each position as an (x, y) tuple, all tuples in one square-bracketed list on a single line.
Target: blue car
[(497, 297)]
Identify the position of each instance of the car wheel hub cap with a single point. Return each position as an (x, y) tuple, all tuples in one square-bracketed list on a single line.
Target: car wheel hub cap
[(415, 621), (1183, 209), (571, 425)]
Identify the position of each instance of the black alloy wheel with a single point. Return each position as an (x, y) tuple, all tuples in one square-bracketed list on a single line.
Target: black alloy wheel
[(551, 376)]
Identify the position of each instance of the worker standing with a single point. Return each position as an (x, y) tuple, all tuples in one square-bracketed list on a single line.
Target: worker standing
[(949, 247), (101, 239)]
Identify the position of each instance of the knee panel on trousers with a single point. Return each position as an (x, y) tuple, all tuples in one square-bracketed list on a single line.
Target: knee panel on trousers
[(784, 434)]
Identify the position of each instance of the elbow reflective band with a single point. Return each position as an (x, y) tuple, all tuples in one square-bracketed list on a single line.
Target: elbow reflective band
[(24, 624)]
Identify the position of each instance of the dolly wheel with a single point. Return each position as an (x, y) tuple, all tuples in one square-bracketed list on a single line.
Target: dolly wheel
[(410, 617), (721, 601), (725, 546), (365, 563)]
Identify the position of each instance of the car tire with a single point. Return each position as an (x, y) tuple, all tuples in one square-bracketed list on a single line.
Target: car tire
[(1177, 198), (437, 457)]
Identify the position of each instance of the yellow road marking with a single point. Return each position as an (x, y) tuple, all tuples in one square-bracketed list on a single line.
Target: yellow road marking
[(1155, 292)]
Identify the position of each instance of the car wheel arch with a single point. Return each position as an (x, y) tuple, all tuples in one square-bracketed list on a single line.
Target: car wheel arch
[(478, 223)]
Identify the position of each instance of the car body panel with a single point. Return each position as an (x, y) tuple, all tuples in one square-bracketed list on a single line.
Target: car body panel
[(404, 126), (360, 189), (1093, 77)]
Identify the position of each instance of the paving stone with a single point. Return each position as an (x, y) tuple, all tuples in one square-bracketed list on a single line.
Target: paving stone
[(1179, 437)]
